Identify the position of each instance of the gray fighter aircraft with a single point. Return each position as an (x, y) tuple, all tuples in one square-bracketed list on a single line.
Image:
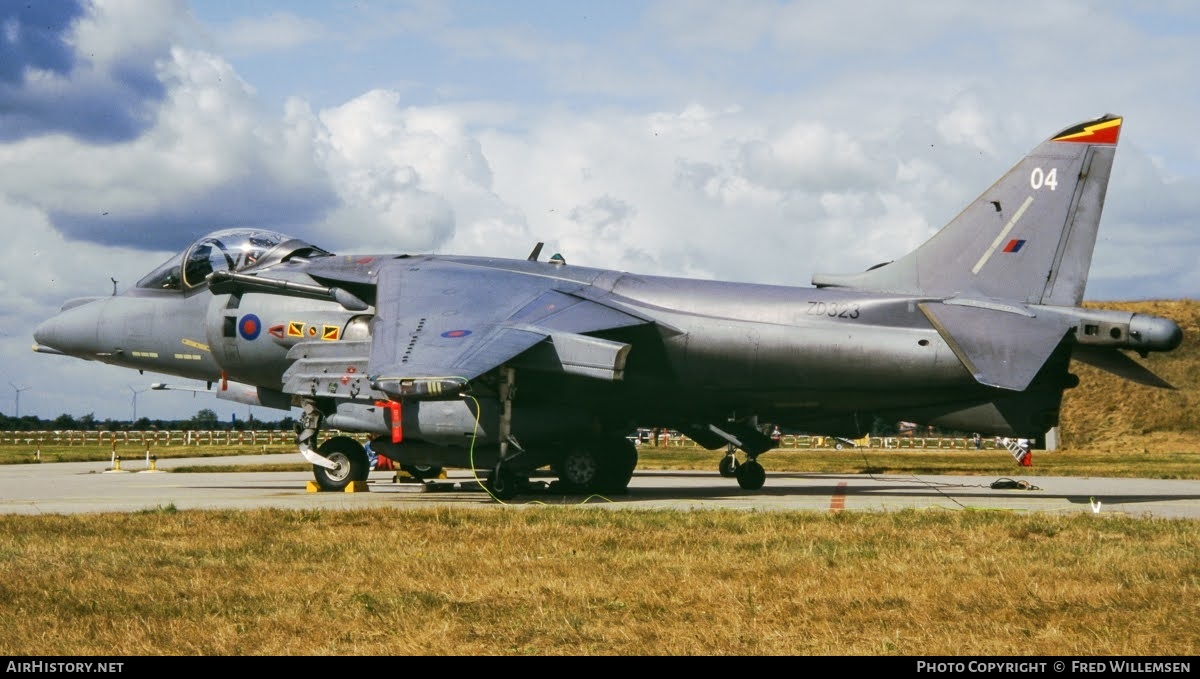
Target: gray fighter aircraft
[(512, 366)]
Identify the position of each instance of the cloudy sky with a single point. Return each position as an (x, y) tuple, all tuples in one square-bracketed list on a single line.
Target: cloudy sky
[(752, 140)]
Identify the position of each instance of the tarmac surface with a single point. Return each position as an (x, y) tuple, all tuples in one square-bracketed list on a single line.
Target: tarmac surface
[(92, 487)]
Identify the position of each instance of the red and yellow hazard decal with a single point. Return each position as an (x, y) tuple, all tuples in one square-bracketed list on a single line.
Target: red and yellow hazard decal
[(295, 329), (1103, 131), (330, 332)]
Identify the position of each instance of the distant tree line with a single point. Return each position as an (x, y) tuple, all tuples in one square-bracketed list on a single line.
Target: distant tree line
[(204, 420)]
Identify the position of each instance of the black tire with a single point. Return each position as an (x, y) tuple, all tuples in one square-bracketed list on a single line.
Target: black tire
[(618, 462), (351, 460), (728, 466), (502, 483), (422, 471), (751, 475), (580, 470)]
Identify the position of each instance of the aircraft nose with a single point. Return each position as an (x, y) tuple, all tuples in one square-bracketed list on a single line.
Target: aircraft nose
[(74, 330)]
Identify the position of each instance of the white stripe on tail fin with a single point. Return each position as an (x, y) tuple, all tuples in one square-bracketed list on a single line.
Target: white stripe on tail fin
[(1027, 239)]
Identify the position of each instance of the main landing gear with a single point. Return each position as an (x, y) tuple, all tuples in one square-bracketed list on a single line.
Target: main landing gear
[(603, 464)]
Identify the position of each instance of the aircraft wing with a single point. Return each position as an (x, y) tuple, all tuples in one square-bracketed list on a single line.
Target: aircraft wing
[(440, 324)]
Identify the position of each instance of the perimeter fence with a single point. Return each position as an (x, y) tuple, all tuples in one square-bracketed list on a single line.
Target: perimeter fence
[(266, 437)]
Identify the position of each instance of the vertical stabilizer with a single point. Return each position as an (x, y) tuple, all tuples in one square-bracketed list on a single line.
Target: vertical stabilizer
[(1027, 239)]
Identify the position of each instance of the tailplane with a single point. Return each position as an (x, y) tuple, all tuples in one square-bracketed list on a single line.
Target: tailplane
[(1027, 239)]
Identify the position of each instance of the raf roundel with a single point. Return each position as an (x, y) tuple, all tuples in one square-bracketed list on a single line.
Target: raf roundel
[(249, 327), (454, 334)]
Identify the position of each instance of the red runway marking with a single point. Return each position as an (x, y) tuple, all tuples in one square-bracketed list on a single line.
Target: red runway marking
[(838, 502)]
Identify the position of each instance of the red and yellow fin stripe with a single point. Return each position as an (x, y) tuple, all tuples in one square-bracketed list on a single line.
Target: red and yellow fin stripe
[(1104, 131)]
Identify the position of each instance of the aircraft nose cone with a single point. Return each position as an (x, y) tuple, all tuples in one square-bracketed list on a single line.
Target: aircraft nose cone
[(44, 333), (74, 330)]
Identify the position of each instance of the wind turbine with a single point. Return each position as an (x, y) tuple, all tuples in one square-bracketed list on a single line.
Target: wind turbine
[(135, 393), (17, 394)]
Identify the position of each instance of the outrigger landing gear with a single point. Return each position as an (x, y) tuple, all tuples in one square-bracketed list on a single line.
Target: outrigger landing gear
[(337, 462), (746, 436), (729, 464), (503, 482)]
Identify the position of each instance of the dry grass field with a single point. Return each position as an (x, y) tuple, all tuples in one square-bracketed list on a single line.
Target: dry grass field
[(580, 581), (1106, 412)]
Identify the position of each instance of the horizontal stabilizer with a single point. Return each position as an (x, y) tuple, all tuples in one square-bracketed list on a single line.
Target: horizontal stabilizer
[(1119, 364), (999, 348)]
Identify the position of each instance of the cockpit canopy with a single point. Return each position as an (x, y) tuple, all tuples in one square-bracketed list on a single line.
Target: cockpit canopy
[(227, 250)]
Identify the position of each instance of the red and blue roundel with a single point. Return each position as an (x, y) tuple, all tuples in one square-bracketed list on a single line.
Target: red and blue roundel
[(249, 327), (452, 334)]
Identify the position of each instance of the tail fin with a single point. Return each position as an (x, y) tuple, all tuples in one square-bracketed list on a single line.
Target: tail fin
[(1027, 239)]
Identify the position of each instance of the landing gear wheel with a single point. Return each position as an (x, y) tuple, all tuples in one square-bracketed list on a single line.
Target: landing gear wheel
[(751, 475), (350, 460), (579, 470), (422, 471), (618, 460), (729, 466), (502, 483)]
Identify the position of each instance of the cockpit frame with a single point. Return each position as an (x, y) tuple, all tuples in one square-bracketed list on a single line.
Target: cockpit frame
[(236, 250)]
